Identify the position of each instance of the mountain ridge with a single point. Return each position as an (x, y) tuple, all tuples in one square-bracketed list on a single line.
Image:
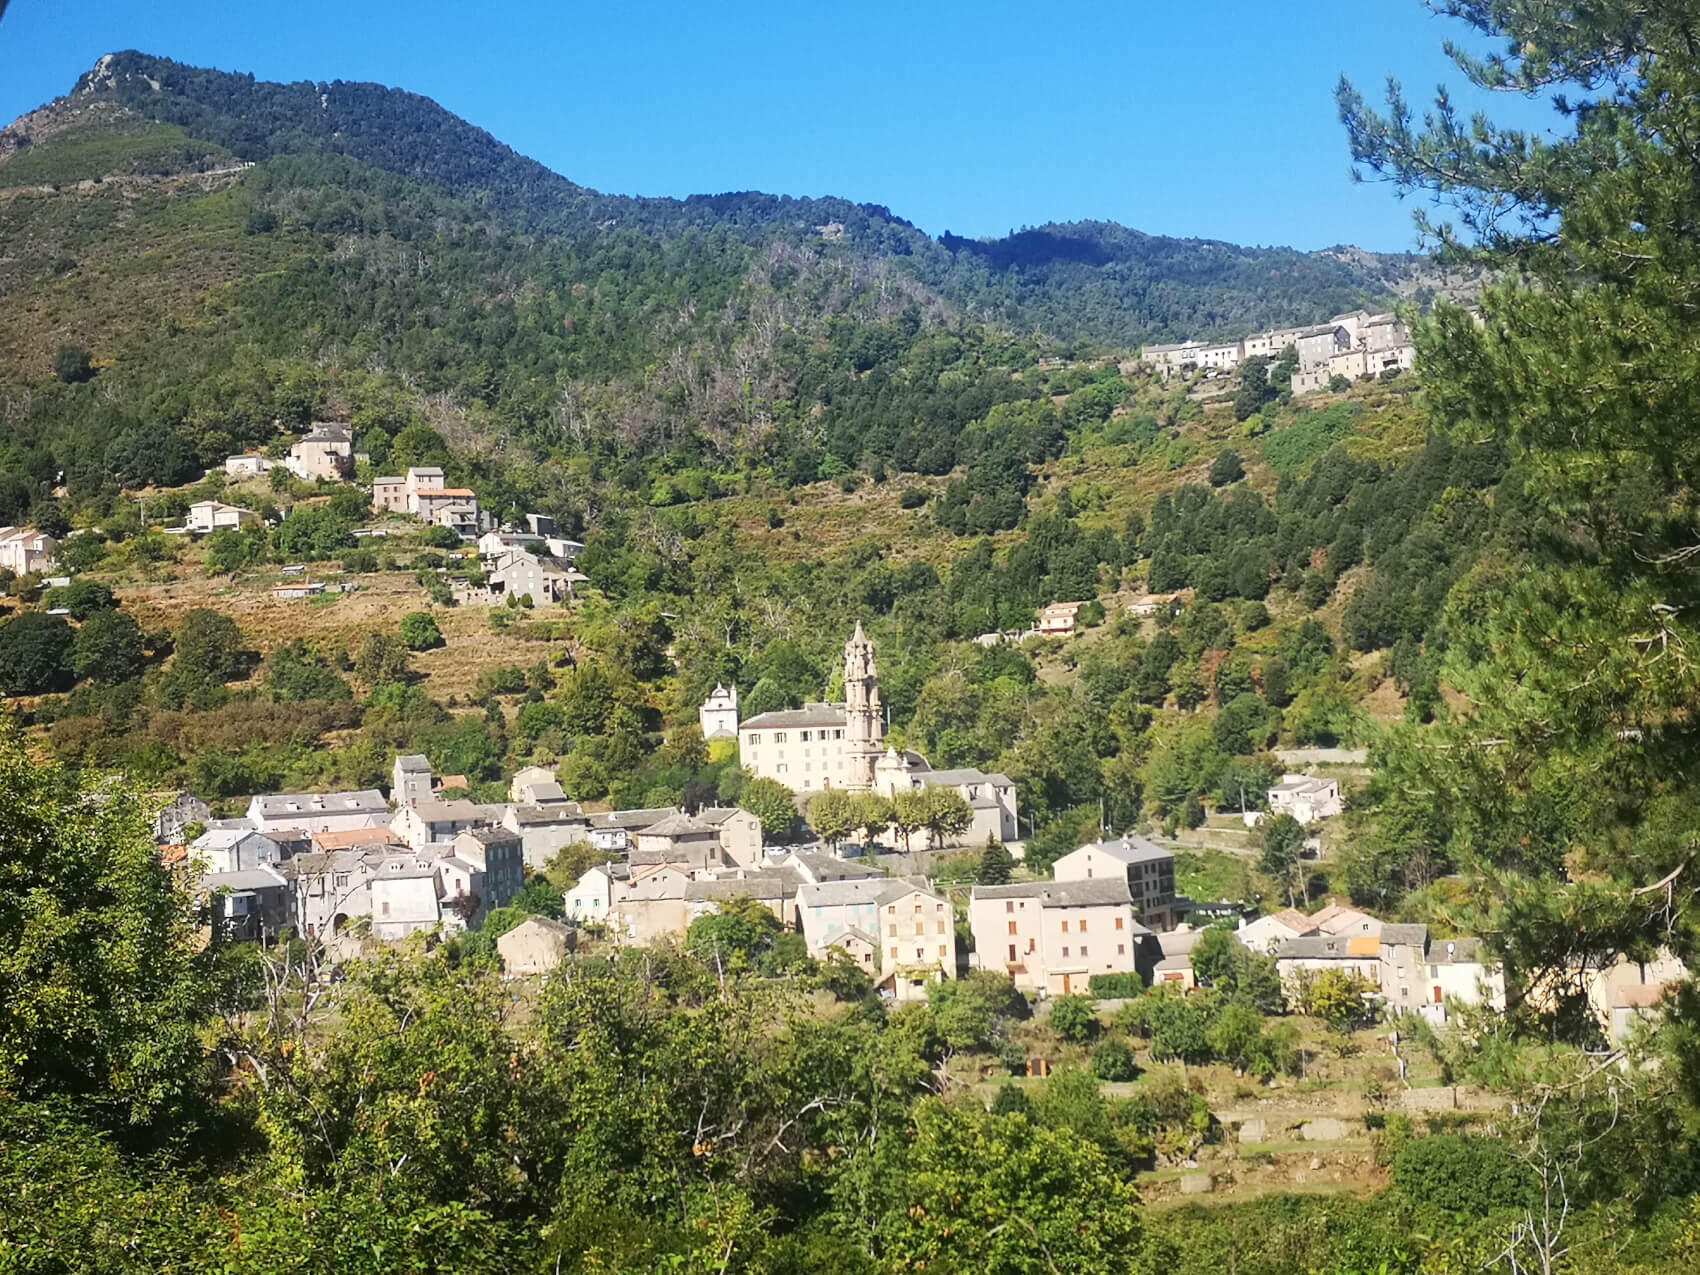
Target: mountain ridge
[(1090, 279)]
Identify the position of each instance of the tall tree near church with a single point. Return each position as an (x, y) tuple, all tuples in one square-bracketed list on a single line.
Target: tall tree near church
[(1568, 784)]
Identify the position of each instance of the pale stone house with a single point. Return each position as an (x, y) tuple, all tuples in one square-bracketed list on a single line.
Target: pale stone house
[(1052, 936), (327, 452), (389, 494), (174, 817), (739, 832), (232, 846), (612, 832), (525, 782), (496, 542), (1424, 975), (496, 852), (829, 909), (1307, 956), (405, 901), (990, 797), (535, 946), (518, 573), (917, 936), (432, 820), (206, 516), (859, 947), (591, 899), (1148, 869), (250, 466), (249, 905), (1174, 964), (544, 831), (814, 868), (1267, 933), (410, 779), (683, 841)]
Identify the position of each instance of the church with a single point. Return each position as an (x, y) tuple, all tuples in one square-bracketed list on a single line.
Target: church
[(822, 745)]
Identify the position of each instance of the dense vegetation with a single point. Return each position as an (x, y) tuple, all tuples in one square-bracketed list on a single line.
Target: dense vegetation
[(1514, 563)]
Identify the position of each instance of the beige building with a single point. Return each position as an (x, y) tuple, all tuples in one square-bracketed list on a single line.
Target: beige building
[(547, 581), (24, 550), (535, 946), (680, 840), (1148, 869), (917, 937), (1052, 936), (1305, 798), (327, 452), (433, 820), (310, 812), (823, 745), (1059, 619)]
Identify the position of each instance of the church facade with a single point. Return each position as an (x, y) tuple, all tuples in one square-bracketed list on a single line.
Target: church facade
[(822, 746)]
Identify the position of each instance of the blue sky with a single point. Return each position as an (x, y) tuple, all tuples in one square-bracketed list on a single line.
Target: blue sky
[(972, 117)]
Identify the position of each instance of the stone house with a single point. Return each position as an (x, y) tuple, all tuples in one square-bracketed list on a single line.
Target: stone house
[(690, 844), (252, 466), (1148, 869), (206, 516), (859, 947), (1059, 619), (518, 573), (250, 905), (917, 935), (496, 852), (1052, 936), (739, 832), (612, 832), (389, 494), (544, 831), (175, 816), (1302, 958), (432, 820), (827, 910), (410, 779), (990, 797), (232, 846), (327, 452), (535, 946), (405, 900)]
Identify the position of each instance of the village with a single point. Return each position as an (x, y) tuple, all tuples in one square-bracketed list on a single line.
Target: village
[(1331, 355), (352, 869)]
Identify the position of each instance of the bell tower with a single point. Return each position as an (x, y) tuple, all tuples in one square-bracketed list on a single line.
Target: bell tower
[(864, 715)]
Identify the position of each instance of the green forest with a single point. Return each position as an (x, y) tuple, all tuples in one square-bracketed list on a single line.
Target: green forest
[(768, 420)]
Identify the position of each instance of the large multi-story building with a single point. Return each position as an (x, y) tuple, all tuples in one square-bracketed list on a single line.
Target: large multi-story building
[(1148, 869), (1053, 936), (823, 746)]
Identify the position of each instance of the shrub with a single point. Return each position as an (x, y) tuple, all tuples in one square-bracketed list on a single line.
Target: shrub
[(1116, 986), (1226, 468), (911, 498), (73, 364), (1113, 1060), (1461, 1174), (1075, 1018), (419, 631), (35, 651)]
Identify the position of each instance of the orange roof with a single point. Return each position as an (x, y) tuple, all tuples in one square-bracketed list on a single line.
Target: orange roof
[(431, 493), (355, 837), (169, 855), (452, 781), (1363, 945)]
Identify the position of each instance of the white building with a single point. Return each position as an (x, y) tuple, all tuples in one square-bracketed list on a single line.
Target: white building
[(917, 939), (433, 820), (719, 714), (1305, 798), (240, 467), (410, 779), (206, 516), (990, 797), (327, 452)]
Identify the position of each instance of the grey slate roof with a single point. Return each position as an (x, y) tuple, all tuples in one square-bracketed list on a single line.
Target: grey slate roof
[(1316, 947), (631, 820), (1062, 894), (282, 804), (413, 763), (528, 816), (679, 824), (1465, 951), (1131, 850), (808, 715), (835, 894), (1405, 936), (763, 887), (246, 880), (827, 867)]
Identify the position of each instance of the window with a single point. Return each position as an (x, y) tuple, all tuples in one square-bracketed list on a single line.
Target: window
[(1012, 927), (920, 954), (1009, 905), (804, 737), (891, 931), (755, 738), (1121, 949), (1083, 949), (1434, 971), (1120, 923), (386, 907), (1012, 951), (1065, 927), (941, 953), (1065, 951), (1083, 925), (779, 737), (941, 927), (894, 953)]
